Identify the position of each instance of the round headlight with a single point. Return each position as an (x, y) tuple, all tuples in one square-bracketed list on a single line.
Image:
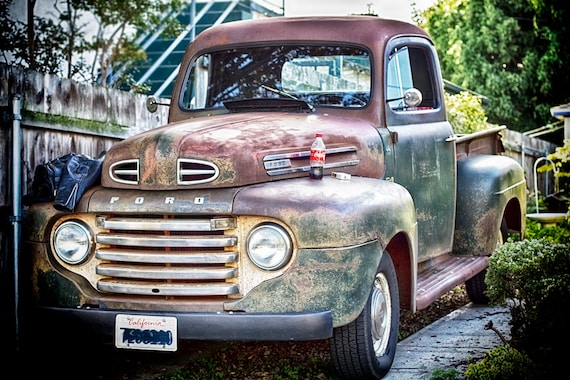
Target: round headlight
[(72, 242), (269, 246)]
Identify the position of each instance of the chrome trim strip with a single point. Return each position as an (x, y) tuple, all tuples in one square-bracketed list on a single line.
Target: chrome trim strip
[(134, 240), (166, 273), (140, 256), (180, 173), (307, 168), (142, 224), (510, 187), (307, 153), (166, 289), (135, 172)]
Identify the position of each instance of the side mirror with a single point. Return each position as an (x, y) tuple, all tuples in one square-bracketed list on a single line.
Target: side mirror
[(412, 97), (152, 104)]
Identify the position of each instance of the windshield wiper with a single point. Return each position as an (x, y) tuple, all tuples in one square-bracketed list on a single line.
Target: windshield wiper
[(267, 104), (287, 95)]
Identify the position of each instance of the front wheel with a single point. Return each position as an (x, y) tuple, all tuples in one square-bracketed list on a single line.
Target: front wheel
[(365, 348)]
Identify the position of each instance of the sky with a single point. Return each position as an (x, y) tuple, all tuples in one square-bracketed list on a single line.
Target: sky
[(395, 9)]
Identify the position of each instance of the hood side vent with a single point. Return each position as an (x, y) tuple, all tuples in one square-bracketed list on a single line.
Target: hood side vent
[(191, 172), (126, 171)]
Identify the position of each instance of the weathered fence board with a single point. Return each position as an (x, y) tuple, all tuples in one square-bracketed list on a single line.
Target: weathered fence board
[(526, 150), (84, 119)]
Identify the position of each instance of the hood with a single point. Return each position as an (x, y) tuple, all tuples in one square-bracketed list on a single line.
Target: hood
[(240, 149)]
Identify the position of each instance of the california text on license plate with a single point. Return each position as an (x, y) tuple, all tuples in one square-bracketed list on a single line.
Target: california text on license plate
[(146, 332)]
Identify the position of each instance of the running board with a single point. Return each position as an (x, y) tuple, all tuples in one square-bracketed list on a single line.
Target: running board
[(444, 275)]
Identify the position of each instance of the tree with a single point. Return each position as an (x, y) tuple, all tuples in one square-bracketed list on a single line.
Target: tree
[(38, 47), (511, 51), (58, 43), (115, 42)]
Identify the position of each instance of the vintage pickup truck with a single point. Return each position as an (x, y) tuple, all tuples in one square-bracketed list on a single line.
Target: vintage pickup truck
[(210, 228)]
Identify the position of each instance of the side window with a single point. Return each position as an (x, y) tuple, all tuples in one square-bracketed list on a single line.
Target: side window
[(410, 67), (196, 85)]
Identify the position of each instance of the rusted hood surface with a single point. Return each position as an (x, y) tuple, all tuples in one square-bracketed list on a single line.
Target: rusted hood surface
[(240, 149)]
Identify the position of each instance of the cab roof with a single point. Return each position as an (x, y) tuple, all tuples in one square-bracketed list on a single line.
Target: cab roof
[(362, 30)]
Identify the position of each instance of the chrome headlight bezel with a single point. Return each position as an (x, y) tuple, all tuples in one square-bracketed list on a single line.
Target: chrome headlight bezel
[(72, 242), (269, 246)]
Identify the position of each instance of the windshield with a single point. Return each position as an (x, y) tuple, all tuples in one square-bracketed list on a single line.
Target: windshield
[(337, 76)]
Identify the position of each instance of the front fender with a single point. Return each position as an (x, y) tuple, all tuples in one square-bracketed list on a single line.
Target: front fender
[(341, 230), (485, 184), (332, 213)]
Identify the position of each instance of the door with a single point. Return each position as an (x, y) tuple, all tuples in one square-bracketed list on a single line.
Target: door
[(423, 155)]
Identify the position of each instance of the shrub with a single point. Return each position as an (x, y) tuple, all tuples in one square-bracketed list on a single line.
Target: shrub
[(502, 363), (533, 276), (445, 374), (465, 113), (558, 233)]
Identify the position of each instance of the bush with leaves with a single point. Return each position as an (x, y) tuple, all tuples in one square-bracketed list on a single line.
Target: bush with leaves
[(557, 233), (561, 159), (503, 362), (533, 278), (465, 112)]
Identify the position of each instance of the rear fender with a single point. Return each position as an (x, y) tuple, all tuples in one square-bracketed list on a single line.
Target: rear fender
[(485, 185)]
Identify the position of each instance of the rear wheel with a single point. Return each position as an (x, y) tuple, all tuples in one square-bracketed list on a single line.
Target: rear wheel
[(475, 286), (365, 348)]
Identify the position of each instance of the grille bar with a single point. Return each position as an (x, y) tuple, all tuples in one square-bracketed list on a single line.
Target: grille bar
[(143, 224), (135, 240), (167, 273), (167, 289), (141, 256)]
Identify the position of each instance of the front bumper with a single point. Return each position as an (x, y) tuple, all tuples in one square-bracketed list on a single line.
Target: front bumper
[(191, 326)]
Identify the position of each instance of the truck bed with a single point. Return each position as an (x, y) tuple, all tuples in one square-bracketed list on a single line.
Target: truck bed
[(487, 141)]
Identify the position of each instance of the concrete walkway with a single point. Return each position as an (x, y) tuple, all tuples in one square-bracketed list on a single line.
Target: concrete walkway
[(451, 342)]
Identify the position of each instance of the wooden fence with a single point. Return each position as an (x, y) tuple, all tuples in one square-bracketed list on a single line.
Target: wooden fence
[(60, 116)]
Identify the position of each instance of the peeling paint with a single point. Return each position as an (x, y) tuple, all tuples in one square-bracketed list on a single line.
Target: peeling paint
[(338, 279)]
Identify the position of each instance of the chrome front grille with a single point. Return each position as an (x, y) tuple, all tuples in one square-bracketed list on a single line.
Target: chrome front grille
[(167, 256)]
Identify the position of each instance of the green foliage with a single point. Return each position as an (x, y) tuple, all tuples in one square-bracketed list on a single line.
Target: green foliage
[(557, 233), (120, 24), (41, 51), (59, 43), (511, 51), (561, 159), (444, 374), (561, 156), (259, 359), (502, 363), (465, 113), (533, 278)]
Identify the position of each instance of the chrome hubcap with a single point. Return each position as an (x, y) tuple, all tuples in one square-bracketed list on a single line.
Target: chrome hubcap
[(381, 314)]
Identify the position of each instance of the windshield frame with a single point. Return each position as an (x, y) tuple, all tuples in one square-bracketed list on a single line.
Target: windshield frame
[(274, 88)]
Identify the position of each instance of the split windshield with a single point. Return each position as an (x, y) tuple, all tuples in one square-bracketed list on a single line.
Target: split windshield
[(337, 76)]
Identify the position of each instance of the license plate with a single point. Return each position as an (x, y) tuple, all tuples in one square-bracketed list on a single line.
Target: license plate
[(146, 332)]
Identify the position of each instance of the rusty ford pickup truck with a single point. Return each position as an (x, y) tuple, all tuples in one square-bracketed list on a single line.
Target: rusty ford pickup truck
[(210, 228)]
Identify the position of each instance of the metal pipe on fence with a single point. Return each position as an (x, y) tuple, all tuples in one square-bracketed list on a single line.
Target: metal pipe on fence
[(16, 217)]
